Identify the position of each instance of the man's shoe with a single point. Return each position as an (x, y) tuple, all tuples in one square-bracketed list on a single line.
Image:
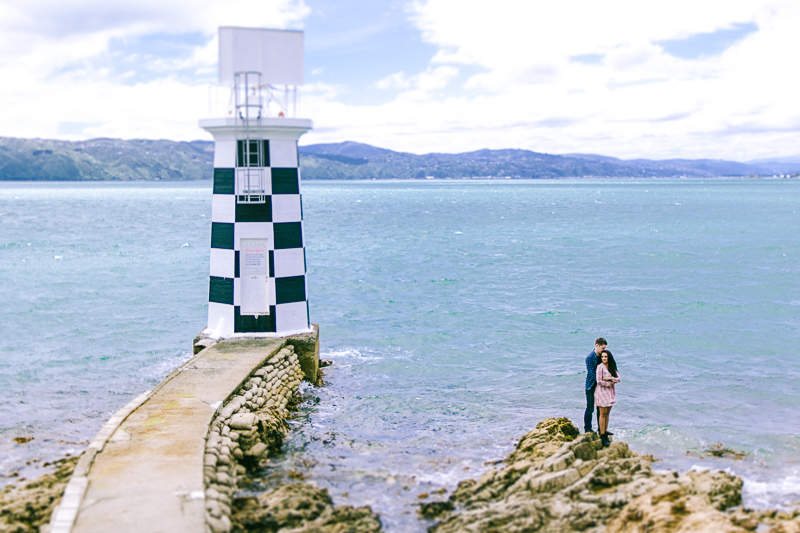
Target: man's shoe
[(609, 433), (590, 430)]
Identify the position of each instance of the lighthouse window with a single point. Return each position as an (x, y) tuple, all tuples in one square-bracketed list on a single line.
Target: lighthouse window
[(252, 153)]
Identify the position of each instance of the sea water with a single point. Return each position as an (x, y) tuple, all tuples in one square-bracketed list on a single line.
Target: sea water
[(457, 315)]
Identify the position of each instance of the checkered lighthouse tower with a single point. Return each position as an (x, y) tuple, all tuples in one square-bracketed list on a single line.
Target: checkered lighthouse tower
[(258, 284)]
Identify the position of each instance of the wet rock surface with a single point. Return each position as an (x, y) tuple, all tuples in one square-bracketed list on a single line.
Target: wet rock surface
[(28, 508), (299, 507), (559, 480)]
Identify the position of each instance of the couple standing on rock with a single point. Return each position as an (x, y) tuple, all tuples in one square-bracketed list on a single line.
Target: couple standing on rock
[(601, 376)]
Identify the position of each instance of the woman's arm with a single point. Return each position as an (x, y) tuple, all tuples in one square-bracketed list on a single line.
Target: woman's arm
[(601, 376)]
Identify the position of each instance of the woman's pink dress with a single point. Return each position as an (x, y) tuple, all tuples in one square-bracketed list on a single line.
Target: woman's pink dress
[(604, 393)]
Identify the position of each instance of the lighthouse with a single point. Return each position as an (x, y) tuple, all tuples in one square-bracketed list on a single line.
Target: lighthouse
[(257, 284)]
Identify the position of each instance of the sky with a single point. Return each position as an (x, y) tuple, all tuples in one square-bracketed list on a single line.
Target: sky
[(624, 78)]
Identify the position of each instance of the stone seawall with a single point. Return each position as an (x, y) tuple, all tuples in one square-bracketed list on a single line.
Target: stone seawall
[(246, 431), (248, 428)]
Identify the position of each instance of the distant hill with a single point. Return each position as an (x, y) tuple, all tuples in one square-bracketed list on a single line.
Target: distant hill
[(779, 165), (105, 159), (347, 148), (351, 160), (115, 159)]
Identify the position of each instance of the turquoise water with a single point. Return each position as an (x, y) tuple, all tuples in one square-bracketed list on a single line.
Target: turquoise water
[(457, 314)]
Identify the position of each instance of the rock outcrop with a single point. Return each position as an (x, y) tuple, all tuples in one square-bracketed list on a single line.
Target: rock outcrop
[(28, 508), (560, 480), (301, 507)]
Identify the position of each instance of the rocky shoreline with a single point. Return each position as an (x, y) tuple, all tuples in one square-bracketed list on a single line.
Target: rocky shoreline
[(28, 508), (560, 480), (555, 480)]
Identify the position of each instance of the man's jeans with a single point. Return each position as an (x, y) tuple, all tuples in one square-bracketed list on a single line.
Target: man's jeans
[(587, 416)]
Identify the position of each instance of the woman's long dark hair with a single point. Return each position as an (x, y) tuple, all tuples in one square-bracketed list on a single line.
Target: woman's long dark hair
[(612, 365)]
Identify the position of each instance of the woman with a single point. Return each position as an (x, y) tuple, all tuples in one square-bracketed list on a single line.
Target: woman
[(604, 395)]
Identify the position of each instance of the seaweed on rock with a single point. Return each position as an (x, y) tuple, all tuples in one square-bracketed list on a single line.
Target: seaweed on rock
[(28, 508), (301, 507)]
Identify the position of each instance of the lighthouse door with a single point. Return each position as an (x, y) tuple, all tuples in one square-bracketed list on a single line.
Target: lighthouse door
[(254, 267)]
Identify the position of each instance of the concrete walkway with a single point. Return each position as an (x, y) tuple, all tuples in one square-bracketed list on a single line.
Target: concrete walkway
[(148, 476)]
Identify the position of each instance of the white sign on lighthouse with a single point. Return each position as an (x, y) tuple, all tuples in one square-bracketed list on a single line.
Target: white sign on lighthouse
[(258, 283)]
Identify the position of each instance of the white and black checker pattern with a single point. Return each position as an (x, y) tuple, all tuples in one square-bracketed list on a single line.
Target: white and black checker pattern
[(279, 220)]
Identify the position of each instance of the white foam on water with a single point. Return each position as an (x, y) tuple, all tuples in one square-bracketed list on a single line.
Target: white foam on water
[(349, 353), (445, 478), (781, 492), (162, 368)]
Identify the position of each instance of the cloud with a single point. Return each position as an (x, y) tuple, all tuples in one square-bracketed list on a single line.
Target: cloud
[(57, 20), (607, 71), (708, 44), (626, 78), (397, 80), (82, 62)]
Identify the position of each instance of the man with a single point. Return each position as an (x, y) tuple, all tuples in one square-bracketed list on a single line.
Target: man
[(591, 381)]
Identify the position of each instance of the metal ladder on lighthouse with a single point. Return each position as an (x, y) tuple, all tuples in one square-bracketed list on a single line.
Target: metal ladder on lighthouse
[(251, 156)]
